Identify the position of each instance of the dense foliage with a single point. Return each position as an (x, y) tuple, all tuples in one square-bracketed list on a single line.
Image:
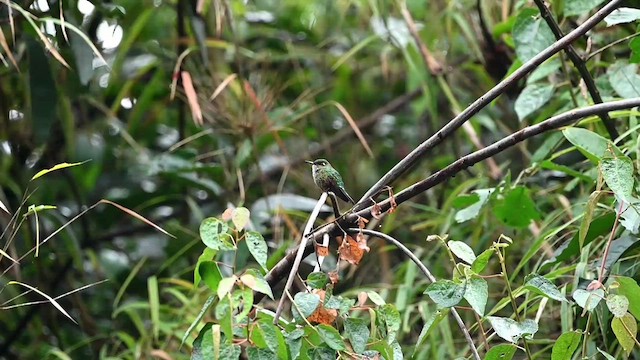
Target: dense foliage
[(153, 189)]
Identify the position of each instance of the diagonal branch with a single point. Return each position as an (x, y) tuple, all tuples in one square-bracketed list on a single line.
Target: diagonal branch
[(427, 273), (418, 153), (567, 118), (580, 66)]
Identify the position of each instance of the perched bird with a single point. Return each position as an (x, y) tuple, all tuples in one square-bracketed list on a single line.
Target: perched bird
[(328, 179)]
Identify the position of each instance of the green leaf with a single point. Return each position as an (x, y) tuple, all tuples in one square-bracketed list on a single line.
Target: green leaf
[(501, 352), (225, 285), (566, 345), (512, 330), (618, 174), (257, 247), (532, 97), (331, 336), (462, 251), (273, 338), (542, 286), (207, 255), (305, 305), (472, 211), (477, 294), (390, 316), (375, 298), (634, 45), (430, 324), (531, 34), (516, 208), (254, 353), (622, 15), (317, 280), (588, 300), (357, 331), (624, 79), (481, 261), (210, 273), (214, 234), (445, 293), (626, 329), (322, 353), (196, 321), (253, 279), (630, 289), (580, 7), (547, 68), (617, 304), (590, 144), (240, 218), (294, 343), (629, 214), (203, 344), (588, 216)]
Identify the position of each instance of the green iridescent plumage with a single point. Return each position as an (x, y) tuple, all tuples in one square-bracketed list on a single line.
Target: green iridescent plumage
[(328, 179)]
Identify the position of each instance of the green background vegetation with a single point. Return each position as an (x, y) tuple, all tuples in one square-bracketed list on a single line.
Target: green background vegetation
[(176, 132)]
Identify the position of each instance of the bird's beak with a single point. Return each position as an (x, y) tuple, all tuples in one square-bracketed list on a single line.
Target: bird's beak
[(309, 162)]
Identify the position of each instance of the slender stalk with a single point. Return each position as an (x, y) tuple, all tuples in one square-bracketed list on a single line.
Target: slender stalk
[(427, 273)]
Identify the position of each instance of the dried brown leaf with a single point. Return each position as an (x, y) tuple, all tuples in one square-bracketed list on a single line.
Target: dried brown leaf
[(192, 98), (334, 277), (350, 251)]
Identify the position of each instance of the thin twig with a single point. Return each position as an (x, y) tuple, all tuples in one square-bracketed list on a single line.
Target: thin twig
[(428, 274), (580, 66), (300, 253), (419, 153)]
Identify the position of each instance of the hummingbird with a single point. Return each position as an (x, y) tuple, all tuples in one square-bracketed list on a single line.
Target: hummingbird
[(328, 179)]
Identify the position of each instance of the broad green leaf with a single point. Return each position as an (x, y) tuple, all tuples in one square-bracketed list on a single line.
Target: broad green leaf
[(580, 7), (203, 344), (481, 261), (516, 208), (629, 288), (304, 305), (331, 336), (473, 209), (214, 234), (445, 293), (618, 174), (240, 217), (531, 34), (624, 79), (566, 345), (622, 15), (462, 251), (626, 329), (532, 97), (56, 167), (477, 294), (207, 255), (588, 300), (357, 331), (273, 338), (375, 298), (210, 274), (430, 324), (294, 343), (634, 45), (254, 353), (389, 314), (541, 285), (225, 285), (512, 330), (617, 304), (257, 247), (590, 144), (322, 353), (317, 280), (501, 352), (254, 280)]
